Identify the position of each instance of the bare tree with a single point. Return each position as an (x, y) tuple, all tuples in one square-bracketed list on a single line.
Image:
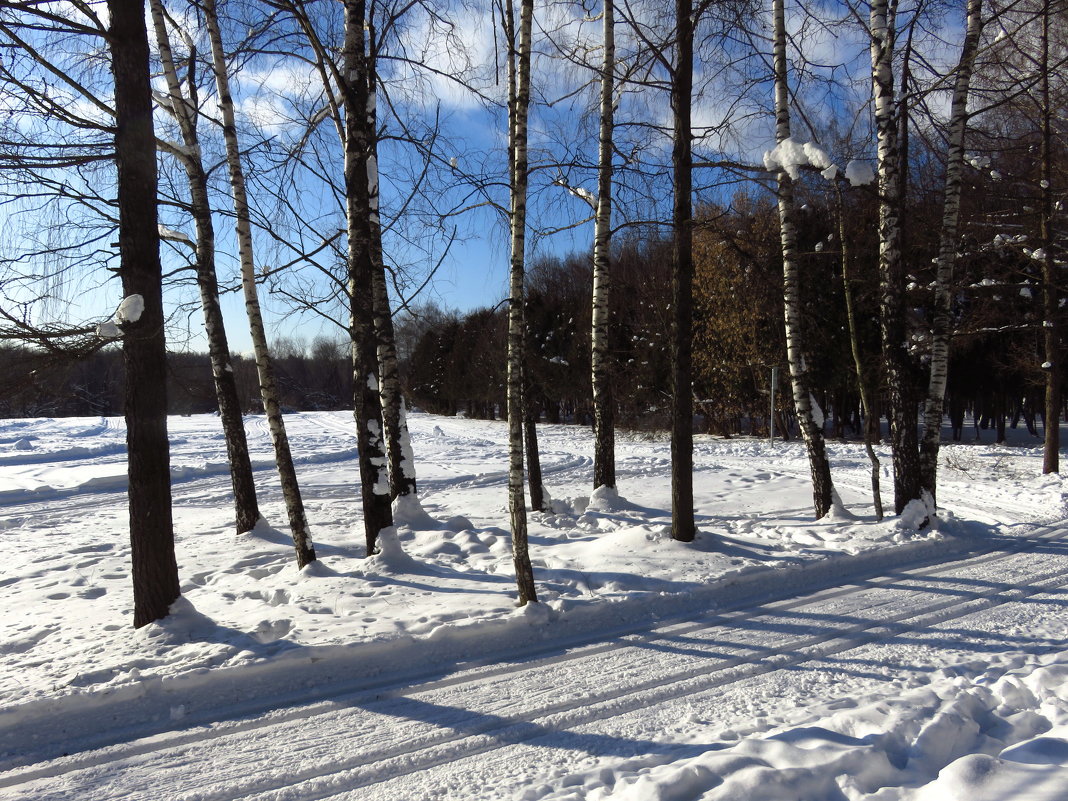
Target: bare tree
[(604, 455), (402, 482), (183, 107), (947, 256), (1051, 295), (683, 527), (518, 104), (361, 213), (901, 411), (155, 570), (811, 431), (298, 523), (864, 388)]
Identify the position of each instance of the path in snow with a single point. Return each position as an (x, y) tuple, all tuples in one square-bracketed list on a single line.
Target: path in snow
[(448, 736)]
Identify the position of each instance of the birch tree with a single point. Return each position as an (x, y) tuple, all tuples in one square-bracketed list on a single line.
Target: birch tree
[(361, 215), (401, 459), (183, 107), (811, 431), (901, 412), (947, 255), (871, 418), (283, 457), (519, 47)]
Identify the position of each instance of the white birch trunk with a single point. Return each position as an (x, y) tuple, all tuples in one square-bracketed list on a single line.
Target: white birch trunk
[(811, 432), (283, 457), (901, 414), (185, 113), (360, 214), (518, 104), (1051, 296), (947, 256), (401, 460)]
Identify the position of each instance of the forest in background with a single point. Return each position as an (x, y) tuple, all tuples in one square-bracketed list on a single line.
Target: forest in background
[(454, 361)]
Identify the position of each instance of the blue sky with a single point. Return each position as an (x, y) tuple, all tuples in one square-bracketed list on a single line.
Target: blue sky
[(274, 91)]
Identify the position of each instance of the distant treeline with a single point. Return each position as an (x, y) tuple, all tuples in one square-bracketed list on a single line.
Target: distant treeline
[(454, 362), (38, 384)]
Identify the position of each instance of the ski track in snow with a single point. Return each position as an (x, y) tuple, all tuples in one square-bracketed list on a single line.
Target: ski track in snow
[(479, 710), (569, 717)]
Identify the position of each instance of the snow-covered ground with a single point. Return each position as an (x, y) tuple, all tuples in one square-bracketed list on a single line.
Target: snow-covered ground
[(774, 658)]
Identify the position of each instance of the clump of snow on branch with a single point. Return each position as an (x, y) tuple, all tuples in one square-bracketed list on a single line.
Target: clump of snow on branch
[(817, 156), (859, 173), (129, 311), (578, 191), (171, 235), (790, 155), (108, 330)]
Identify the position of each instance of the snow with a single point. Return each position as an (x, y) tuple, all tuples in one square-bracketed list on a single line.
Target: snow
[(790, 155), (170, 233), (108, 330), (817, 156), (130, 309), (859, 173), (931, 682)]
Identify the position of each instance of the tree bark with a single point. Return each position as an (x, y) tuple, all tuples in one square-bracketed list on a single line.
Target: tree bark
[(871, 415), (1051, 339), (683, 527), (185, 113), (283, 457), (604, 449), (155, 570), (534, 481), (398, 445), (519, 102), (822, 487), (360, 216), (947, 257), (901, 412)]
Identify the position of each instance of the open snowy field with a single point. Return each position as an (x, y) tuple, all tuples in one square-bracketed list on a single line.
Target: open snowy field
[(775, 658)]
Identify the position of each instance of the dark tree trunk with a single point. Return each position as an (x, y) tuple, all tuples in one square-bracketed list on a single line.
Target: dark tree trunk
[(683, 527), (1051, 310), (871, 416), (534, 482), (155, 570), (604, 449)]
